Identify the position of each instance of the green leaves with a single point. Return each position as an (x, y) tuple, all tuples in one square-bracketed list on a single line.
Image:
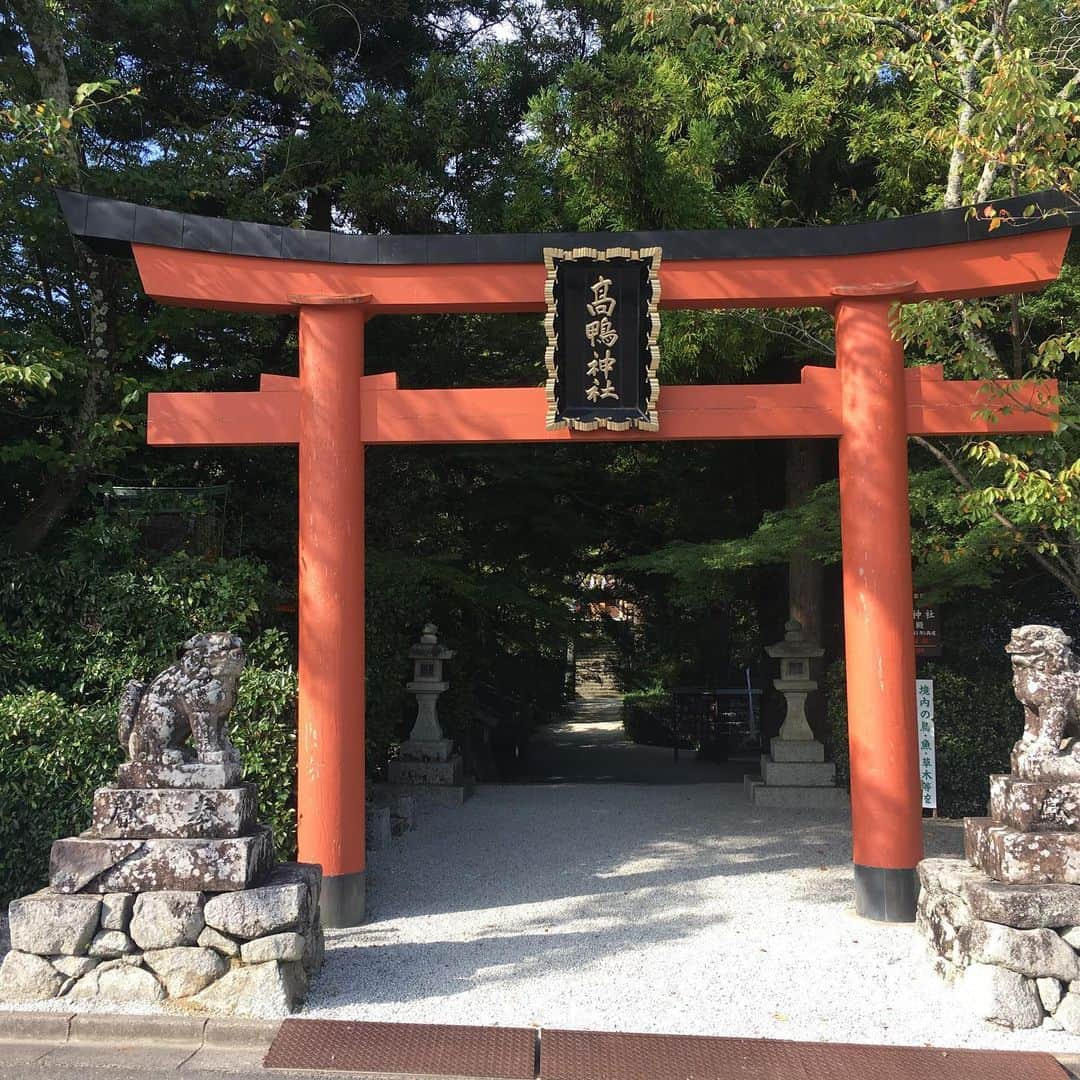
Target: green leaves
[(33, 376), (258, 25), (75, 626), (701, 573), (52, 755)]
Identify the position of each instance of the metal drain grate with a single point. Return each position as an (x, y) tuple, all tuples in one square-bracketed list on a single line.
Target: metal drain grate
[(589, 1055), (405, 1050), (926, 1063)]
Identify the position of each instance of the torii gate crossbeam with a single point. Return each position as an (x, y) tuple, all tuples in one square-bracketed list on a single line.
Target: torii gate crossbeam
[(334, 283)]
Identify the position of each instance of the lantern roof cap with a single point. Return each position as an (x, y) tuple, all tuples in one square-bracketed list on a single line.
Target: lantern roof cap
[(428, 648), (795, 645)]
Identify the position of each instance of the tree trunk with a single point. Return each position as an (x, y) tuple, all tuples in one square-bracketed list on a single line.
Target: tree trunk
[(44, 32), (320, 207), (806, 582), (47, 510), (805, 575)]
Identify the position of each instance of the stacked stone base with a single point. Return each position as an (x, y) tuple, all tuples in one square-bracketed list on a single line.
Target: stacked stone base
[(1011, 948), (430, 763), (1006, 922), (249, 952), (430, 770), (795, 775)]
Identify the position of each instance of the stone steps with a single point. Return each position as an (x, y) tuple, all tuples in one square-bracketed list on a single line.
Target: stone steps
[(594, 676)]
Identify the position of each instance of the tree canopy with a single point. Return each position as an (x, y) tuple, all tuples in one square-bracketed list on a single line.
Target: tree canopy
[(501, 115)]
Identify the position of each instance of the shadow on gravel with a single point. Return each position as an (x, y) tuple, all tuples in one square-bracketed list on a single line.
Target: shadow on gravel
[(588, 841), (446, 968)]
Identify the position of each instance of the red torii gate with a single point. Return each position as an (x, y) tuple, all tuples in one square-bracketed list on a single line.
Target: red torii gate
[(334, 283)]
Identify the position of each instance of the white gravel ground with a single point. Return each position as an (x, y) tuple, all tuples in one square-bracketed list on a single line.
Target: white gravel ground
[(641, 908), (671, 907)]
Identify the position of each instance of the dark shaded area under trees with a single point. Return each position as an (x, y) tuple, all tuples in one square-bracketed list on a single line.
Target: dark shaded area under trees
[(421, 117)]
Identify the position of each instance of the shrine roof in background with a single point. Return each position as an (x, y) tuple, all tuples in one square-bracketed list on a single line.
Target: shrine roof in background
[(114, 225)]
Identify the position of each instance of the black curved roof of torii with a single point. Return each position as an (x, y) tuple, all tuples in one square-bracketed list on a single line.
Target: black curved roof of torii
[(113, 225)]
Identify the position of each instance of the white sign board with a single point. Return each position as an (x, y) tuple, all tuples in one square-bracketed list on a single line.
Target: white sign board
[(924, 721)]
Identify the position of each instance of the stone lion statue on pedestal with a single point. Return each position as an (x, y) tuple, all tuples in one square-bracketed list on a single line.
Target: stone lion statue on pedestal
[(1046, 681), (191, 698)]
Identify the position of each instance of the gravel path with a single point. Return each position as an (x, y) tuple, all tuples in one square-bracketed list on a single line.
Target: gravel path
[(673, 907), (592, 749), (620, 906)]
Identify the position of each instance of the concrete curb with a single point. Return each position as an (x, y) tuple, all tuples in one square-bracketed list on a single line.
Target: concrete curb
[(93, 1029)]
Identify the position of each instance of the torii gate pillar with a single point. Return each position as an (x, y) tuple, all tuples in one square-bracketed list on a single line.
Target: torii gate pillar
[(330, 735), (886, 803)]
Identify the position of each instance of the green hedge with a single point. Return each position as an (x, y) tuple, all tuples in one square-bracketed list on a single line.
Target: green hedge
[(263, 727), (646, 718), (97, 609), (976, 721), (54, 753), (79, 622), (52, 756)]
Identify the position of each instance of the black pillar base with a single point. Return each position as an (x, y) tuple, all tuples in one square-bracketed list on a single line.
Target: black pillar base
[(343, 900), (886, 895)]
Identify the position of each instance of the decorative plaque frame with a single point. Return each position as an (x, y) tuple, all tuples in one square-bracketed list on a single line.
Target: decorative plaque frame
[(637, 332)]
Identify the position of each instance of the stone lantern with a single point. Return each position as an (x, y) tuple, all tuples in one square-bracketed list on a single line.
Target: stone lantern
[(795, 773), (427, 757), (795, 654)]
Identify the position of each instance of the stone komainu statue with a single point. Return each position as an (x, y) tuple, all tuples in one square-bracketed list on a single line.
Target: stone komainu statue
[(191, 698), (1046, 681)]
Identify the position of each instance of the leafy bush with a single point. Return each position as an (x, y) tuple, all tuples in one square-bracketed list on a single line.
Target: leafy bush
[(646, 718), (75, 625), (99, 608), (976, 720), (54, 753), (263, 727), (52, 756), (83, 620)]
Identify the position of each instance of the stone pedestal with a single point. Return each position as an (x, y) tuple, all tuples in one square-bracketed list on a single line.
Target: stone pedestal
[(415, 749), (424, 762), (87, 864), (438, 773), (1017, 857), (1035, 806), (156, 774), (1006, 923), (172, 893), (442, 781), (795, 774), (173, 812), (1011, 950), (248, 952)]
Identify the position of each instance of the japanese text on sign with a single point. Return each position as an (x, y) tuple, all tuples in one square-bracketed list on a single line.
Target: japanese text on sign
[(927, 630), (601, 332), (924, 722), (602, 326)]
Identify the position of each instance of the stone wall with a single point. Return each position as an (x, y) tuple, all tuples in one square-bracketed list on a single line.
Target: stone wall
[(1010, 948), (247, 952)]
